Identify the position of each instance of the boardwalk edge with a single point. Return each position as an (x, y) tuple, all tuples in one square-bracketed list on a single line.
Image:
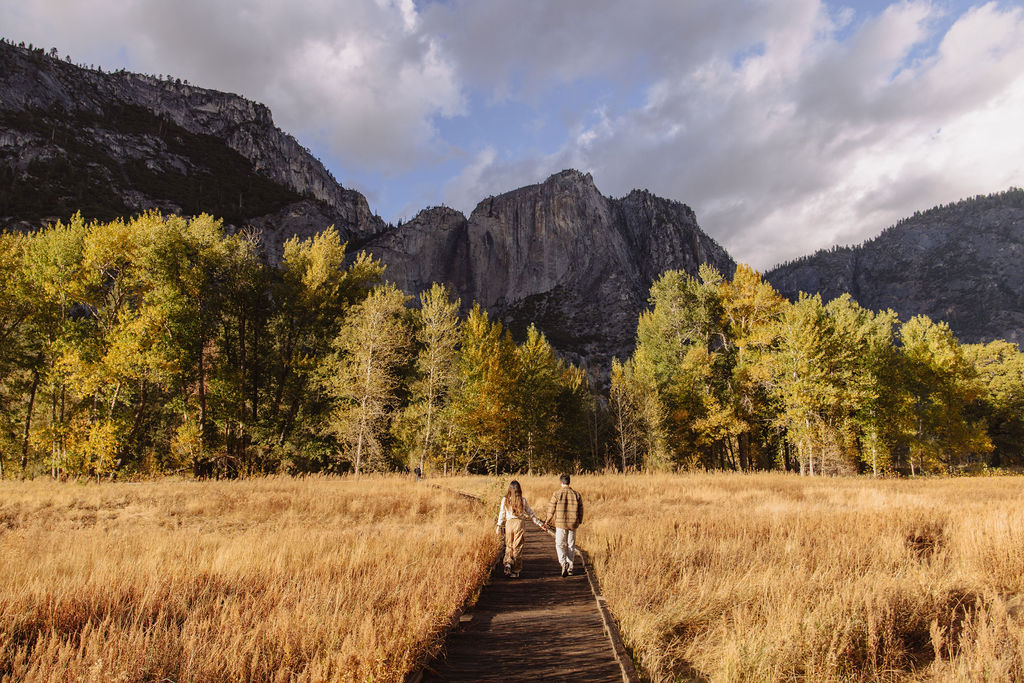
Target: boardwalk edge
[(415, 675), (611, 629)]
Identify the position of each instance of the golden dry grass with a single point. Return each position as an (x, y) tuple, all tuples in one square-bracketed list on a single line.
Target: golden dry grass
[(723, 577), (275, 579), (775, 577)]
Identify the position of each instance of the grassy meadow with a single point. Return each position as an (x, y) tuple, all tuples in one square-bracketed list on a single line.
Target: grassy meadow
[(313, 579), (721, 577)]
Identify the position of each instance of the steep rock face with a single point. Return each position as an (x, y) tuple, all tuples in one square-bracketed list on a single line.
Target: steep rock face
[(115, 143), (432, 247), (558, 254), (533, 239), (664, 235), (961, 263)]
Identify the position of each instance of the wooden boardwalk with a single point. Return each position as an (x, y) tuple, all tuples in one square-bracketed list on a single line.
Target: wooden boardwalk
[(537, 627)]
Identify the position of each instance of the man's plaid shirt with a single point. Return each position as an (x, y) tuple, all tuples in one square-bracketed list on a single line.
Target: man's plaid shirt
[(565, 511)]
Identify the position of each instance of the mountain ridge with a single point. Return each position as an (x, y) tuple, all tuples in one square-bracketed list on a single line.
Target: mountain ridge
[(57, 117), (958, 262), (529, 256)]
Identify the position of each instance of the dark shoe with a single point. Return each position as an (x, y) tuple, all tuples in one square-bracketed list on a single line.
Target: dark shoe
[(565, 570)]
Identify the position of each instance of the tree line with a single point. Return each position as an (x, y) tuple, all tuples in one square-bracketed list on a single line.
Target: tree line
[(731, 375), (165, 344)]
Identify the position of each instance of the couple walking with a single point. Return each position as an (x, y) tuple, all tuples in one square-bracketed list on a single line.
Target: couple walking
[(565, 513)]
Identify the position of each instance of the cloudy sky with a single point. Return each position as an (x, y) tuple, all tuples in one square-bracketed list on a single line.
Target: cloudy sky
[(788, 125)]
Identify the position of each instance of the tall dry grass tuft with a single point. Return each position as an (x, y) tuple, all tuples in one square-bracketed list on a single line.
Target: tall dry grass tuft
[(277, 579)]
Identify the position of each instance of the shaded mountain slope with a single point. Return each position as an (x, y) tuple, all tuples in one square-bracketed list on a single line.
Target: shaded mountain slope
[(112, 144), (962, 263)]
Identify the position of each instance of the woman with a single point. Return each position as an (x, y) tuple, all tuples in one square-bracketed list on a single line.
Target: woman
[(514, 512)]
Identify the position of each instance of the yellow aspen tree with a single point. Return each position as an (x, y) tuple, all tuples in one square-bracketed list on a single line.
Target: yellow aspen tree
[(437, 333), (364, 375)]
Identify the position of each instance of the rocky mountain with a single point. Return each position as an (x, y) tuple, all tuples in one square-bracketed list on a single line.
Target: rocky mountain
[(113, 144), (962, 263), (559, 253)]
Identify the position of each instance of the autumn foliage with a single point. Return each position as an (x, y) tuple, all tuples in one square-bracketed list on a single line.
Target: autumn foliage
[(729, 375), (165, 344)]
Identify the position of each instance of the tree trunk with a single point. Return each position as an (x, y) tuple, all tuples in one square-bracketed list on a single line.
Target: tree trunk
[(136, 422), (921, 456), (729, 450), (430, 415), (529, 452), (240, 431), (53, 440), (202, 395), (113, 400), (28, 417), (362, 410), (359, 436), (448, 450), (293, 411), (622, 442)]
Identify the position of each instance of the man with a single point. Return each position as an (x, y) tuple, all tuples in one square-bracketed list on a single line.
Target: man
[(565, 513)]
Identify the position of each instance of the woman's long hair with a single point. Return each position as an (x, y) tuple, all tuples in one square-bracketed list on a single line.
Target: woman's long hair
[(514, 498)]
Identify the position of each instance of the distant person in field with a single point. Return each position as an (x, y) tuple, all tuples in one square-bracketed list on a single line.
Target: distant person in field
[(565, 513), (514, 513)]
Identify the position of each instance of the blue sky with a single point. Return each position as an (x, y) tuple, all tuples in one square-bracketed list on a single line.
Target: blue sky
[(788, 125)]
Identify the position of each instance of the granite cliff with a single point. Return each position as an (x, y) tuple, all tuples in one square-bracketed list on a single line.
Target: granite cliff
[(559, 254), (961, 263)]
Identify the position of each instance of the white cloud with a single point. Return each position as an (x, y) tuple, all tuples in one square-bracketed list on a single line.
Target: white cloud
[(371, 105), (814, 140), (519, 48)]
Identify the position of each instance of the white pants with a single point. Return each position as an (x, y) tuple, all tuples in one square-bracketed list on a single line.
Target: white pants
[(565, 546)]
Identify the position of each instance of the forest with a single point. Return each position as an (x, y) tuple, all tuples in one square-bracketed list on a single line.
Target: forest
[(164, 344), (730, 375)]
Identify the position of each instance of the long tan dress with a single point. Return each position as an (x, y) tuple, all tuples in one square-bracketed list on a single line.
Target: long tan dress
[(515, 528), (514, 531)]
